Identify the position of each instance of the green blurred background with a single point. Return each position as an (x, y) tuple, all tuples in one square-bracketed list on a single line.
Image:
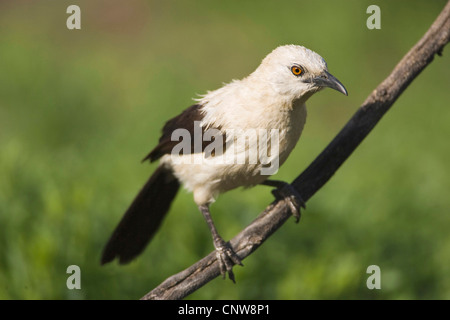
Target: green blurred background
[(79, 110)]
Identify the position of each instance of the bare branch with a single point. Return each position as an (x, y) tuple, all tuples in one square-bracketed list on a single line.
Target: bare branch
[(323, 167)]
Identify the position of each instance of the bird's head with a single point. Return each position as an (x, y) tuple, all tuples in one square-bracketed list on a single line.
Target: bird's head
[(297, 72)]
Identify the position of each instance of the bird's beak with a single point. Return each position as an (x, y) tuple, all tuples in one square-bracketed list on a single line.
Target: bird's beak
[(326, 79)]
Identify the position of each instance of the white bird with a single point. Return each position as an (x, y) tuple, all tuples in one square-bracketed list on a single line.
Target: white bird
[(271, 99)]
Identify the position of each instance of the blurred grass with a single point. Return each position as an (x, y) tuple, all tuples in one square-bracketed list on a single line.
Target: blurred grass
[(79, 109)]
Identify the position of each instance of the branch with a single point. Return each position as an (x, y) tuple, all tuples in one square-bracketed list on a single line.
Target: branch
[(323, 167)]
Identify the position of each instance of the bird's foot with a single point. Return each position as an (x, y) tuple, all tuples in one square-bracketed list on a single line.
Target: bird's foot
[(288, 193), (227, 258)]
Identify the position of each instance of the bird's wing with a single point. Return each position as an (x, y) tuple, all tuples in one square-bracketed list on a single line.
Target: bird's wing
[(190, 119)]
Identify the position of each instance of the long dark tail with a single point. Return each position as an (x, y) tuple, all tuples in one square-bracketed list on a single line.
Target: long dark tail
[(143, 218)]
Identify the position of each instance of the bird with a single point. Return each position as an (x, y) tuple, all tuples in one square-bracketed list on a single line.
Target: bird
[(271, 99)]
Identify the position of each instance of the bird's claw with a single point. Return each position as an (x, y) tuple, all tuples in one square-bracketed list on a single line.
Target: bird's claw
[(227, 258), (293, 199)]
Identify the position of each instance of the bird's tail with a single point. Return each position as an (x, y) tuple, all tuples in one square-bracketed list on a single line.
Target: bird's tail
[(143, 217)]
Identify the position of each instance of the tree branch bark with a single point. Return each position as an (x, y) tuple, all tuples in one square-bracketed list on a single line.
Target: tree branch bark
[(323, 167)]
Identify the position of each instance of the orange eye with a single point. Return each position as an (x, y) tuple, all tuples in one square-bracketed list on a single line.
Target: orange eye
[(296, 70)]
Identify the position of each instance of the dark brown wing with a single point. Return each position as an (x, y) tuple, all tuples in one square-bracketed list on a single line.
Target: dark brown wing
[(190, 120)]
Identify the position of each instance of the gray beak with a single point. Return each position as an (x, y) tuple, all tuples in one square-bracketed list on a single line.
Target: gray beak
[(326, 79)]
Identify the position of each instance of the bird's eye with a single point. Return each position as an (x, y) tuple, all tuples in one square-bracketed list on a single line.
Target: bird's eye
[(296, 70)]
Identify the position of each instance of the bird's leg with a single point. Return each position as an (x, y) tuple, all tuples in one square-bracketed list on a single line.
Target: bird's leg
[(287, 192), (225, 254)]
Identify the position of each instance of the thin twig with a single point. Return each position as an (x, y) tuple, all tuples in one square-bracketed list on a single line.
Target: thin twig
[(323, 167)]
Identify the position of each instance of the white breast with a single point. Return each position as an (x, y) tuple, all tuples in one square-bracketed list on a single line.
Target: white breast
[(207, 179)]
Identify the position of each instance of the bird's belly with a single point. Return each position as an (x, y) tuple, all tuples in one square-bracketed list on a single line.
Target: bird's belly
[(208, 177)]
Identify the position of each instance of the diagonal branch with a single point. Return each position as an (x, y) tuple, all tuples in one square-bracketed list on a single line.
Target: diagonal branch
[(323, 167)]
